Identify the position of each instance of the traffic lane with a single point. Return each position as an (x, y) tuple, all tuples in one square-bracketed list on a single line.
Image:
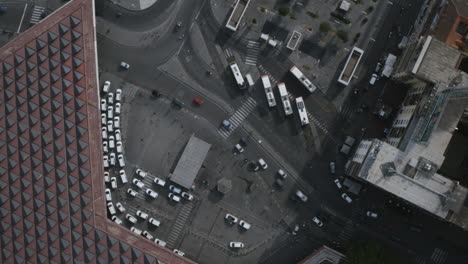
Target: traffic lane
[(11, 19)]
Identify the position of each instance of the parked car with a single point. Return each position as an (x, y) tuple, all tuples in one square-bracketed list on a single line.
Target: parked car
[(123, 176), (113, 183), (346, 198), (110, 112), (142, 214), (262, 164), (244, 225), (332, 167), (120, 207), (131, 218), (106, 177), (152, 193), (138, 183), (178, 103), (105, 161), (178, 252), (118, 108), (159, 182), (118, 135), (198, 101), (372, 214), (121, 160), (317, 221), (175, 189), (174, 197), (105, 147), (299, 194), (104, 132), (132, 192), (108, 194), (110, 98), (111, 208), (154, 222), (141, 173), (116, 220), (282, 174), (106, 86), (373, 79), (187, 196), (103, 105), (118, 95), (103, 119), (239, 148), (338, 184), (111, 142), (236, 245), (135, 230), (147, 235), (226, 124), (160, 242), (112, 159), (231, 219), (110, 126), (117, 121), (124, 65)]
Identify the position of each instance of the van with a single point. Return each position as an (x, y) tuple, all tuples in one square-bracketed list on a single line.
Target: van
[(249, 79), (373, 79), (227, 124)]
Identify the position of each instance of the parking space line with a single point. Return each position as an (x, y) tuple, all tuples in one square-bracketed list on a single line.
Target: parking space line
[(22, 18)]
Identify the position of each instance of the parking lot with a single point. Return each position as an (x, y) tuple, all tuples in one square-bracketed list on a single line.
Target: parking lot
[(154, 133)]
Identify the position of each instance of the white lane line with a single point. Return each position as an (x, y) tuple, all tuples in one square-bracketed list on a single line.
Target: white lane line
[(22, 18)]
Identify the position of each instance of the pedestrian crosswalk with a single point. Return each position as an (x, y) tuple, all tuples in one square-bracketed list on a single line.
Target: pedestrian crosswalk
[(179, 225), (346, 232), (237, 118), (36, 15), (439, 256), (228, 53), (253, 48)]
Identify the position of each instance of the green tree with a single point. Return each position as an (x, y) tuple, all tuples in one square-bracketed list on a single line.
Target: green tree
[(371, 252), (343, 35), (283, 10), (324, 27)]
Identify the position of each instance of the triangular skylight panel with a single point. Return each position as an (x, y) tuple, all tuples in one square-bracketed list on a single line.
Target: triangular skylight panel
[(63, 29), (75, 49), (64, 43), (18, 59), (6, 67), (65, 70), (64, 56), (51, 36), (75, 35), (54, 77), (31, 79), (40, 44), (53, 64), (42, 72), (77, 76), (43, 85), (18, 73), (74, 21), (41, 58), (76, 62), (30, 66), (29, 52), (52, 50)]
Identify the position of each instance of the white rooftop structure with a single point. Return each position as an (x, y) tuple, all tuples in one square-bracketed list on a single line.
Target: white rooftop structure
[(345, 5)]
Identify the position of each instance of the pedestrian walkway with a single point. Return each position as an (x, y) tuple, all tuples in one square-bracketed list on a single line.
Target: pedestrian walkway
[(36, 15), (237, 118), (179, 224), (253, 48), (130, 91), (228, 53), (346, 233), (439, 256)]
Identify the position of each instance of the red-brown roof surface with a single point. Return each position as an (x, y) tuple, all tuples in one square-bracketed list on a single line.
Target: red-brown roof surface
[(52, 206)]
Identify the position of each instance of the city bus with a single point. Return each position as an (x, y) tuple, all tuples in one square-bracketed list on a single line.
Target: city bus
[(268, 91), (303, 79), (285, 98), (237, 75), (302, 111)]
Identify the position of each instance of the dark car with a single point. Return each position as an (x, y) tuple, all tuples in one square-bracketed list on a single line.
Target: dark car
[(178, 103)]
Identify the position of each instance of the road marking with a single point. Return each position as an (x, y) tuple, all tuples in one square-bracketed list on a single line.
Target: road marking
[(239, 116), (371, 39), (36, 14), (390, 3), (253, 48), (22, 17), (179, 224)]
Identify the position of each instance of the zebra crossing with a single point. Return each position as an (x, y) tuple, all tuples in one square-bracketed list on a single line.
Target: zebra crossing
[(237, 118), (439, 256), (36, 15), (347, 232), (228, 53), (179, 225), (253, 48)]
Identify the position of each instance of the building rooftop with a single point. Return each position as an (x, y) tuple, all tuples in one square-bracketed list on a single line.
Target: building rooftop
[(324, 255), (190, 162), (52, 206)]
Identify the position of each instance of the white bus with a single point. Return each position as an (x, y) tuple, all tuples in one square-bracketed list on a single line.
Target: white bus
[(303, 79), (302, 111), (268, 91), (285, 98), (237, 75)]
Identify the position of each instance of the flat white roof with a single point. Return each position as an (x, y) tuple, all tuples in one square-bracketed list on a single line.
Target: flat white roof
[(345, 5)]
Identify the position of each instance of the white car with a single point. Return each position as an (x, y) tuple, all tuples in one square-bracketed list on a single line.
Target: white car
[(147, 235), (121, 160), (175, 190), (187, 196), (120, 207), (110, 98), (373, 79), (106, 177), (138, 183), (108, 194), (103, 119), (178, 252), (123, 176), (372, 214), (174, 197), (317, 221), (103, 105), (231, 219), (132, 192), (142, 214), (159, 182), (110, 112), (105, 161), (141, 173), (160, 242), (236, 245), (105, 147), (262, 164), (111, 142), (152, 193), (118, 135), (244, 224), (131, 218), (346, 198), (111, 208), (301, 196), (124, 65), (118, 108), (112, 159), (119, 147), (118, 95), (116, 220), (110, 126), (332, 167), (282, 174), (114, 183), (135, 230), (239, 148), (338, 184), (117, 121), (104, 132), (106, 86), (154, 222)]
